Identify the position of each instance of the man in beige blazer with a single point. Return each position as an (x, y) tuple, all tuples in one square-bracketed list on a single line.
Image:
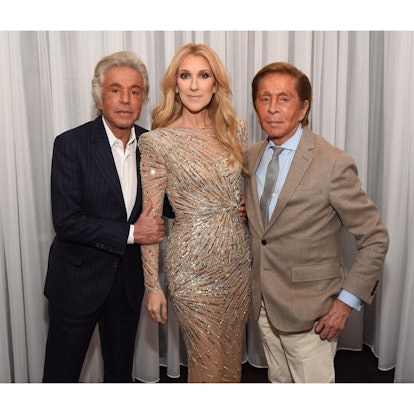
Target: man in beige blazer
[(301, 296)]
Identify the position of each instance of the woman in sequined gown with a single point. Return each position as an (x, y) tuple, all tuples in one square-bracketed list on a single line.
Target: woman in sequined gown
[(195, 155)]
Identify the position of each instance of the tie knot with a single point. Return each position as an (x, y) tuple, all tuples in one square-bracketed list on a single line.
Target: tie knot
[(276, 151)]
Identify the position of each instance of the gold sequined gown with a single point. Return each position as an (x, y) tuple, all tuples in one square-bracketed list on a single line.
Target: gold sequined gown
[(207, 262)]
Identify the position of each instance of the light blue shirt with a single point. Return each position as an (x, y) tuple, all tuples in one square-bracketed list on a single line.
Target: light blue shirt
[(285, 161)]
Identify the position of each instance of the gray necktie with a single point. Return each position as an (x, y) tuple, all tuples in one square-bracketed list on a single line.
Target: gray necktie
[(270, 182)]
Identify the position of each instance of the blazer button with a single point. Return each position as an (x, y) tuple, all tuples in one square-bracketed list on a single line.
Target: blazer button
[(264, 242)]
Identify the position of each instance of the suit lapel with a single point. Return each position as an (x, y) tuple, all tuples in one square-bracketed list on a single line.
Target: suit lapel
[(138, 202), (256, 157), (102, 155), (302, 159)]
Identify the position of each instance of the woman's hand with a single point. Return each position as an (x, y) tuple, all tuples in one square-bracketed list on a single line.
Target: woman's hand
[(156, 306)]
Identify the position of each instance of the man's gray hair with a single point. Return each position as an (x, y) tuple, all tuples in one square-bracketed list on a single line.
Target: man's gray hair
[(123, 59)]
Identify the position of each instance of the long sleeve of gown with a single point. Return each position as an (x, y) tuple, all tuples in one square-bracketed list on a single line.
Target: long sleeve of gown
[(153, 181)]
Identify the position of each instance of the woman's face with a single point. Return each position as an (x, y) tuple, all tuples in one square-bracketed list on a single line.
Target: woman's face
[(195, 83)]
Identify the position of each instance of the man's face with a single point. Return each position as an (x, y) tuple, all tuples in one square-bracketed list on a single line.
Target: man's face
[(121, 103), (278, 107)]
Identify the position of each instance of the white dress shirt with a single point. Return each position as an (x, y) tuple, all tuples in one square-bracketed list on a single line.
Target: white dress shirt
[(126, 166)]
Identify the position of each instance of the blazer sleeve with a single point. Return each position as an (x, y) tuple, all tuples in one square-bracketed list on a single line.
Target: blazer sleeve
[(361, 218), (82, 210)]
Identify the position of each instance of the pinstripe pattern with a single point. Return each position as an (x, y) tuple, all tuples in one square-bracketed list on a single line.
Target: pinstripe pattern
[(90, 222)]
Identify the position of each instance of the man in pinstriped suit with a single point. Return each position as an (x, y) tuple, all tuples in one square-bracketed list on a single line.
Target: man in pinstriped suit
[(95, 274)]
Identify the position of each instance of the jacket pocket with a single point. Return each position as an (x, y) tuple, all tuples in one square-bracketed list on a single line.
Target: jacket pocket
[(315, 272), (67, 253), (307, 192)]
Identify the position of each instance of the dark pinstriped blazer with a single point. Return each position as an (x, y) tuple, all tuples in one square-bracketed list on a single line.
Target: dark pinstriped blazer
[(90, 222)]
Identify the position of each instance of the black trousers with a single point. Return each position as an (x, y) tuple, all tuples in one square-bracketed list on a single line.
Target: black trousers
[(69, 337)]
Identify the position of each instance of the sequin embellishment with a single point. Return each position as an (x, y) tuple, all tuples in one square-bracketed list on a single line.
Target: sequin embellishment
[(207, 261)]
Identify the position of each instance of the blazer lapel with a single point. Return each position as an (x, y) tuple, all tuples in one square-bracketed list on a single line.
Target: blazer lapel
[(138, 202), (302, 159), (102, 155), (256, 157)]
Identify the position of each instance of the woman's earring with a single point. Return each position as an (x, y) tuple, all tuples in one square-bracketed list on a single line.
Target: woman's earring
[(176, 90)]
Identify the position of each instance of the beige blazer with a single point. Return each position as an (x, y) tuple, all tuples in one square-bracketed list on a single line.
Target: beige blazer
[(297, 259)]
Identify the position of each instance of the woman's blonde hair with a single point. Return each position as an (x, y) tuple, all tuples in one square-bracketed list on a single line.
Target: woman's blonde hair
[(220, 109)]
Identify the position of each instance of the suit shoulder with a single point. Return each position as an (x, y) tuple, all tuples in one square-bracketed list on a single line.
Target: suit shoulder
[(328, 151), (139, 130), (254, 148), (324, 145), (79, 131)]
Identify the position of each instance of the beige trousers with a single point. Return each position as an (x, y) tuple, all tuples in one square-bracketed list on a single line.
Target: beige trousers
[(299, 357)]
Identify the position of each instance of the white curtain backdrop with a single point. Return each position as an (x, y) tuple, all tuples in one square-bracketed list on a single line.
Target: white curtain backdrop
[(363, 102)]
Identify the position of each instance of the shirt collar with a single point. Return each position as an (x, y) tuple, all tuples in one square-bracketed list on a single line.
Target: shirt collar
[(292, 143), (113, 139)]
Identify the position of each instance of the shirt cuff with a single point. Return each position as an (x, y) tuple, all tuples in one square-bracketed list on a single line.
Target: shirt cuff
[(131, 235), (350, 300)]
